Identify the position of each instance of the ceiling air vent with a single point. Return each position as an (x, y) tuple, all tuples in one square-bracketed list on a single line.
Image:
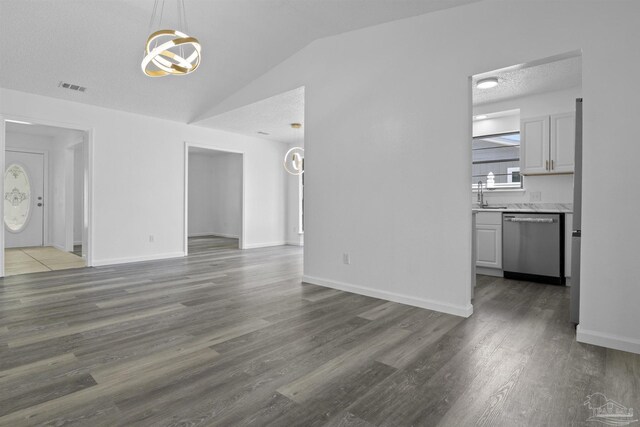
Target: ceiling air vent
[(71, 86)]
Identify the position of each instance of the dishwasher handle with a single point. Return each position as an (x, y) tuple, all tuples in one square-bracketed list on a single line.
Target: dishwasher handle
[(533, 220)]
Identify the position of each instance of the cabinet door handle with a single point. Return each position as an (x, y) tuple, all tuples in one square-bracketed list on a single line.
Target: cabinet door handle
[(551, 164), (547, 165)]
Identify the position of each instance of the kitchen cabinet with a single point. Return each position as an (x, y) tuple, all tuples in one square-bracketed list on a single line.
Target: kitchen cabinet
[(547, 144), (488, 240)]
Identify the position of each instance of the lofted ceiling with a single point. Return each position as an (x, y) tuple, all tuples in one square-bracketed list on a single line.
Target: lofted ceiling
[(542, 76), (99, 44), (270, 118)]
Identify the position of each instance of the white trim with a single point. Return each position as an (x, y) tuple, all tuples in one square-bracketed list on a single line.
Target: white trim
[(292, 243), (264, 244), (456, 310), (242, 238), (486, 271), (616, 342), (214, 234), (3, 135), (127, 260), (59, 247)]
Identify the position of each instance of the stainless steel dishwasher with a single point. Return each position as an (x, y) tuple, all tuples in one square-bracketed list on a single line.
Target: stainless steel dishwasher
[(533, 247)]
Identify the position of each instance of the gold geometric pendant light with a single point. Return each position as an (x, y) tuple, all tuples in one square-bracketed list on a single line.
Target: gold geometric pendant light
[(170, 52)]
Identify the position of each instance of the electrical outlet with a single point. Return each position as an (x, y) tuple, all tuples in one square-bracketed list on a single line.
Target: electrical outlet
[(151, 238), (535, 196), (346, 259)]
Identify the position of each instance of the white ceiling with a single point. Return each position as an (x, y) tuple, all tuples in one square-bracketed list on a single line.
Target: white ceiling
[(272, 116), (99, 44), (207, 152), (44, 131), (530, 79)]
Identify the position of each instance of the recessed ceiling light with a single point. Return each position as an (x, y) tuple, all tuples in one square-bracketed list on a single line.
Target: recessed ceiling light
[(20, 122), (296, 125), (481, 117), (487, 83)]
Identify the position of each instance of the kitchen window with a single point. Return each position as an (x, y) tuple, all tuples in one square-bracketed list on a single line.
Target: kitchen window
[(496, 161)]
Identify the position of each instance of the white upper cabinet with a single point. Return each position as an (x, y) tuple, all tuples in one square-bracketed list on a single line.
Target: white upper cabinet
[(563, 142), (547, 144), (534, 145)]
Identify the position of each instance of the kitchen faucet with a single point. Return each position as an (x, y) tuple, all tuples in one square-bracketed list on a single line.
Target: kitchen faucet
[(481, 201)]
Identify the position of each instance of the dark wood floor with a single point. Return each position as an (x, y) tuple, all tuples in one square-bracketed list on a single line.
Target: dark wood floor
[(231, 338)]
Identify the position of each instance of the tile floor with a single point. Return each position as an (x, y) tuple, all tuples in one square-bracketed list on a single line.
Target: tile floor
[(37, 259)]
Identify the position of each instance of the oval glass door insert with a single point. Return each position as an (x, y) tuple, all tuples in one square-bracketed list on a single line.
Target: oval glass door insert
[(17, 197)]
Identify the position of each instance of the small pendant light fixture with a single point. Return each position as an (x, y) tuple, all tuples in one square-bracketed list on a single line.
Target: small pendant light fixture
[(170, 52), (294, 161)]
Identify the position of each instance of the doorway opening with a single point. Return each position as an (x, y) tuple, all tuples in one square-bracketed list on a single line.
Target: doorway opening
[(214, 199), (524, 170), (45, 208)]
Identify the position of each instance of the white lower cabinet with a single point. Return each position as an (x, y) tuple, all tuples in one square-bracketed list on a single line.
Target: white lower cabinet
[(489, 240)]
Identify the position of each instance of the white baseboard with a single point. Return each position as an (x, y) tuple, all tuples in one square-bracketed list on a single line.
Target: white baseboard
[(230, 236), (392, 296), (291, 243), (112, 261), (77, 243), (263, 245), (495, 272), (617, 342), (61, 247)]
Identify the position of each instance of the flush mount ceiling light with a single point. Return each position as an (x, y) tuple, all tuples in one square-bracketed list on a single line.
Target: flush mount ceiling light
[(481, 117), (20, 122), (294, 161), (170, 52), (487, 83)]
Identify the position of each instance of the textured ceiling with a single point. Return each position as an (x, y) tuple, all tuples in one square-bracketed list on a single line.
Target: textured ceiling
[(272, 115), (99, 44), (42, 130), (526, 80), (207, 152)]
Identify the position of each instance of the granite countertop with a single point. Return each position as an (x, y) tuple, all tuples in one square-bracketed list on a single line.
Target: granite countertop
[(527, 207)]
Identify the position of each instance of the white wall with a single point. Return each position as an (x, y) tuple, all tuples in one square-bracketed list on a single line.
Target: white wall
[(78, 193), (551, 189), (138, 169), (384, 105), (200, 195), (215, 194)]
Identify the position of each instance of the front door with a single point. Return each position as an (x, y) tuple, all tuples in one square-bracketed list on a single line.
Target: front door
[(23, 199)]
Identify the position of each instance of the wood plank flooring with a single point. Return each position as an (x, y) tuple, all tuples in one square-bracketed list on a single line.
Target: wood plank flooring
[(232, 338)]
